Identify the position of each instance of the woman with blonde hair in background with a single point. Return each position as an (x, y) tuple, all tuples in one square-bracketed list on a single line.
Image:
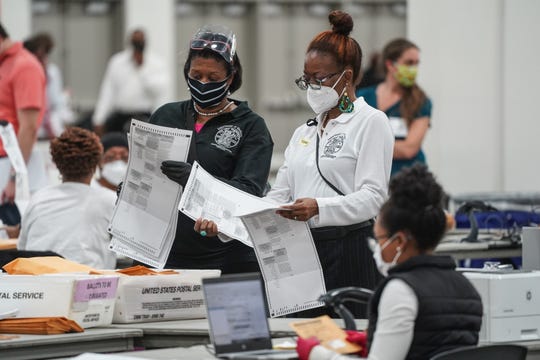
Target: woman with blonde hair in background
[(399, 96)]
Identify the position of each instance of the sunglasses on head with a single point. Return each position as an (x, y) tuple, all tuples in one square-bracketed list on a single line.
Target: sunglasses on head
[(217, 46)]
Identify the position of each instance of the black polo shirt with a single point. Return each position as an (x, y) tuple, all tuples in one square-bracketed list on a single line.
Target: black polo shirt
[(235, 147)]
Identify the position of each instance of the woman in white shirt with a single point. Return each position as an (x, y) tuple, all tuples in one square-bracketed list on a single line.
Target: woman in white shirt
[(71, 218), (337, 167), (423, 306)]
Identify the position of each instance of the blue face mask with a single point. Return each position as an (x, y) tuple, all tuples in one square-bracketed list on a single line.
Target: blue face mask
[(207, 94)]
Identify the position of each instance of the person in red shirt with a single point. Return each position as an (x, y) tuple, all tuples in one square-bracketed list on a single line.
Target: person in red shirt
[(22, 103)]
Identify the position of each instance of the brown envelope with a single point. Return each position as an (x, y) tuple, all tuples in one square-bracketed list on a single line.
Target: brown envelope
[(327, 332), (44, 265), (39, 326)]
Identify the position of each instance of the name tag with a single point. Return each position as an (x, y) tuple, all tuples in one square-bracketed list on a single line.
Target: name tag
[(399, 127)]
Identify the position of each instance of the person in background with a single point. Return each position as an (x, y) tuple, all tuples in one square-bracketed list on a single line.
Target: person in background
[(423, 306), (405, 103), (135, 83), (22, 103), (113, 164), (230, 141), (58, 113), (71, 218), (374, 73)]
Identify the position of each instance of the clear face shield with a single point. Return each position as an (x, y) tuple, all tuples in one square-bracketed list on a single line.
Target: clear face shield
[(217, 38)]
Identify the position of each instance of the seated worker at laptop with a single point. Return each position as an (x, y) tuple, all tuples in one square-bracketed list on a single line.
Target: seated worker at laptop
[(423, 306)]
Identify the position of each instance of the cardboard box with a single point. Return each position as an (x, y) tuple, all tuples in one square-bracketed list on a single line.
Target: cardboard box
[(87, 299), (161, 297)]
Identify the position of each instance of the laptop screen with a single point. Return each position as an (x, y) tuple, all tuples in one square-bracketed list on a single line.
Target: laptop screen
[(236, 310)]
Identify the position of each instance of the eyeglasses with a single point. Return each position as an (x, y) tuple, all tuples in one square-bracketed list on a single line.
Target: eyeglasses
[(373, 241), (217, 46), (304, 83)]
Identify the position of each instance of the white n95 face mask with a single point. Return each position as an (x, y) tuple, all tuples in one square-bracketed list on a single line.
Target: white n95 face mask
[(382, 265), (325, 98), (114, 171)]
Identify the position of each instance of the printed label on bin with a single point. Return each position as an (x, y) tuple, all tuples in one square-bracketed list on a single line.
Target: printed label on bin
[(96, 289)]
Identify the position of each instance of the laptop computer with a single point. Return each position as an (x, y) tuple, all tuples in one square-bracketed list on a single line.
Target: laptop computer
[(238, 318)]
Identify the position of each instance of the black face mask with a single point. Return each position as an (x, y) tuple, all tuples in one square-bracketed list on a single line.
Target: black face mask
[(138, 45), (207, 94)]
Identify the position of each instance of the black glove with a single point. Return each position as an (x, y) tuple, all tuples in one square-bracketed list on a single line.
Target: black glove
[(177, 171)]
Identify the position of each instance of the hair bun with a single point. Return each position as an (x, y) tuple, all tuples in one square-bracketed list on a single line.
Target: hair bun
[(342, 23), (415, 188)]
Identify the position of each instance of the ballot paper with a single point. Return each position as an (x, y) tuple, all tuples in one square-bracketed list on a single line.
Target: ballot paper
[(144, 221), (11, 146), (285, 249), (289, 262), (209, 198)]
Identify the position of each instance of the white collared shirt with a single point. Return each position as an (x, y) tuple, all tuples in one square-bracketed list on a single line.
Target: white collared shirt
[(398, 309), (70, 219), (355, 155)]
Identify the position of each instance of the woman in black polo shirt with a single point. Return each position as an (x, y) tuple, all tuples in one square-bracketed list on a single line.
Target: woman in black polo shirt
[(230, 141)]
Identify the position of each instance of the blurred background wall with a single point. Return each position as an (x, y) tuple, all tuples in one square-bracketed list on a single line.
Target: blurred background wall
[(478, 65)]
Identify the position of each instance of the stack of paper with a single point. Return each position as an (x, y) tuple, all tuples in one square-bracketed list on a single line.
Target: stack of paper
[(143, 270), (8, 244), (13, 151), (208, 198), (39, 326), (144, 221), (285, 249)]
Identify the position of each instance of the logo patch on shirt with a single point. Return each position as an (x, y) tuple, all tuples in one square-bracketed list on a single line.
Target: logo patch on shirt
[(333, 145), (227, 137), (304, 142)]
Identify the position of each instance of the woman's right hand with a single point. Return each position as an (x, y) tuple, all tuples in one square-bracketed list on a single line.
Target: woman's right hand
[(301, 210), (206, 227)]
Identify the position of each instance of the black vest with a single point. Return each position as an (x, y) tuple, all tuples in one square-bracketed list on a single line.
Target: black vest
[(449, 307)]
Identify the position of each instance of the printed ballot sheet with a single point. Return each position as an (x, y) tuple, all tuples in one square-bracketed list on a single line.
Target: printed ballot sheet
[(13, 151), (209, 198), (285, 250), (144, 221), (288, 260)]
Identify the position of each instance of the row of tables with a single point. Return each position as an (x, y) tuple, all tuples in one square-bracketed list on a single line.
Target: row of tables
[(190, 337), (449, 246), (185, 336), (181, 339)]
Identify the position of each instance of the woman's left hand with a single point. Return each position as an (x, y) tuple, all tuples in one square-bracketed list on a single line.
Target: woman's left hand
[(206, 227), (302, 210)]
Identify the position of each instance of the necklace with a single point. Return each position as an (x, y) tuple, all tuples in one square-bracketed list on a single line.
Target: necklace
[(212, 113), (323, 121)]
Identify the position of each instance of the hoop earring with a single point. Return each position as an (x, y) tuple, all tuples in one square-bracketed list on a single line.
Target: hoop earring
[(345, 103)]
